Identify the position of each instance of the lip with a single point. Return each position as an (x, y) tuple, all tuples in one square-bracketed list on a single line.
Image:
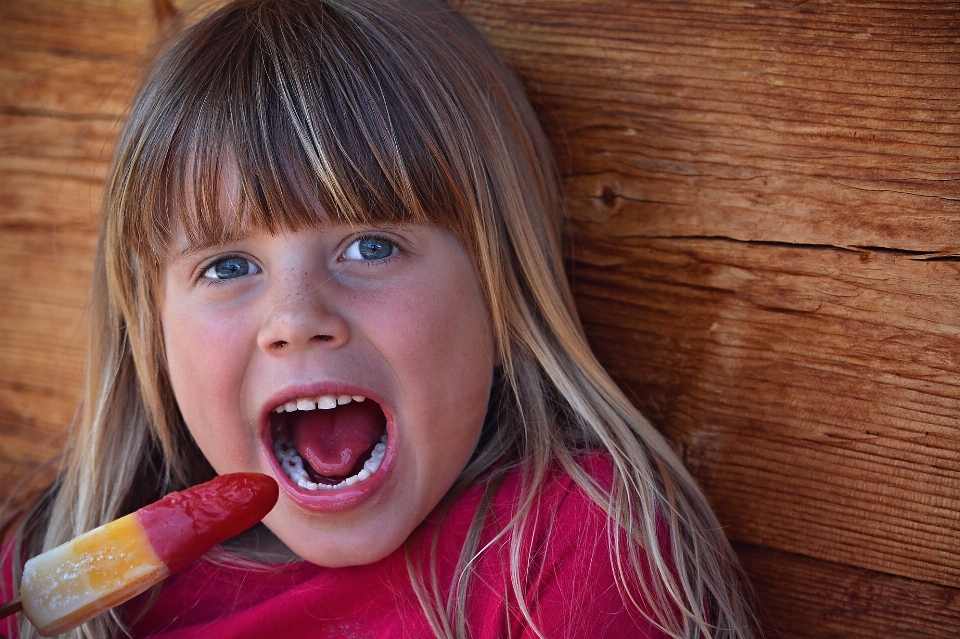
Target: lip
[(340, 499)]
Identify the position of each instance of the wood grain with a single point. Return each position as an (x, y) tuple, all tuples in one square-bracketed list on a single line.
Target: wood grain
[(764, 200), (813, 392), (66, 74), (832, 123), (808, 598)]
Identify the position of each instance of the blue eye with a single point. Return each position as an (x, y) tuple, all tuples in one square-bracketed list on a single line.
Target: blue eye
[(370, 248), (231, 267)]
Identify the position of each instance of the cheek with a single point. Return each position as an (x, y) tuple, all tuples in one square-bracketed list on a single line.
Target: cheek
[(441, 349), (443, 334), (204, 362), (206, 368)]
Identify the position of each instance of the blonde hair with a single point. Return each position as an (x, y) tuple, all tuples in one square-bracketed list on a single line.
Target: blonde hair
[(373, 111)]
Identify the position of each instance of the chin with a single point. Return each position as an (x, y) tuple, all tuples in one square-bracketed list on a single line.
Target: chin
[(334, 542)]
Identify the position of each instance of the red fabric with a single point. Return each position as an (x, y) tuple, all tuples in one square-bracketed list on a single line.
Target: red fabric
[(8, 626), (571, 593)]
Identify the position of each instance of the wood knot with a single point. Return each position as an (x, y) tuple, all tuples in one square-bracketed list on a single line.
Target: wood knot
[(608, 196), (164, 11)]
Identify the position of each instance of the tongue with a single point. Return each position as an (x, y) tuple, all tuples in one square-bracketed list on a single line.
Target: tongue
[(335, 441)]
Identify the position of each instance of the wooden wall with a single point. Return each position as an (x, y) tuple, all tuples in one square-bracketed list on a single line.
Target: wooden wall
[(764, 244)]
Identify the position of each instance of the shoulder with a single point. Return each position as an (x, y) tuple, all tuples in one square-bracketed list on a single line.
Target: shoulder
[(567, 556), (564, 515)]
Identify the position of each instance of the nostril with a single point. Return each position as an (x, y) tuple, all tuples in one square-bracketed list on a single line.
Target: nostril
[(279, 345), (323, 338)]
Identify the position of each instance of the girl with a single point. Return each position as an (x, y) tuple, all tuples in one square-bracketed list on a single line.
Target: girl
[(331, 253)]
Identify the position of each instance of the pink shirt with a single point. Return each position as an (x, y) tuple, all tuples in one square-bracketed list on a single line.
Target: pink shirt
[(571, 592)]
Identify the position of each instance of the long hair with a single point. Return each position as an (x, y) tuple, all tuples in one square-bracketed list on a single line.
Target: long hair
[(373, 111)]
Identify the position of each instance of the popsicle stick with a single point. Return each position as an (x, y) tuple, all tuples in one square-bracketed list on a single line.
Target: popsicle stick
[(11, 607)]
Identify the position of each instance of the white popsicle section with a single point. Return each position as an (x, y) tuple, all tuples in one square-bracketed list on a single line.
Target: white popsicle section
[(89, 574)]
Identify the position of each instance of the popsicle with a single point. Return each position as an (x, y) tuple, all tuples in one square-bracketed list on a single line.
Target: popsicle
[(72, 583)]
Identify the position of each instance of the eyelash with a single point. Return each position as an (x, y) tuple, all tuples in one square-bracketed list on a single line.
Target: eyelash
[(216, 281), (395, 251)]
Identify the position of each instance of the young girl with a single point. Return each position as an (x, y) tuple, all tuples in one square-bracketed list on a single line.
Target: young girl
[(331, 254)]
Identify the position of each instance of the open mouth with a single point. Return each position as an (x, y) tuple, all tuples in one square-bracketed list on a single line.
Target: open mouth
[(329, 442)]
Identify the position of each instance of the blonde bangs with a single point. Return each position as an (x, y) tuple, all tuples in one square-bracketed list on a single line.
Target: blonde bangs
[(302, 125)]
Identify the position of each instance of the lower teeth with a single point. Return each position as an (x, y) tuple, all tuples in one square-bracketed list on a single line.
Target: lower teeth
[(292, 465)]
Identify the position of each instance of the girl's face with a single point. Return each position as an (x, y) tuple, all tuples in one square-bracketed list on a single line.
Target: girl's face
[(386, 324)]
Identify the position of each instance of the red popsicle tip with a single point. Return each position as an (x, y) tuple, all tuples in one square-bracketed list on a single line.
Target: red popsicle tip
[(184, 525)]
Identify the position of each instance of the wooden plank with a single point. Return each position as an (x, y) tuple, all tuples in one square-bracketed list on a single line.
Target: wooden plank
[(52, 171), (44, 295), (90, 29), (42, 343), (806, 598), (813, 392), (83, 141), (830, 123), (50, 194), (35, 424), (68, 84), (66, 75)]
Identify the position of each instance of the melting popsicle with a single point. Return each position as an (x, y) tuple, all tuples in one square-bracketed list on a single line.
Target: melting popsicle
[(74, 582)]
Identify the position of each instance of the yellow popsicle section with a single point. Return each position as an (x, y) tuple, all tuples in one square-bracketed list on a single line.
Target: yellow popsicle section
[(94, 572)]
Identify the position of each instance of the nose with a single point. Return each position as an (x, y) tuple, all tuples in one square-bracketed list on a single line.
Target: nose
[(302, 313)]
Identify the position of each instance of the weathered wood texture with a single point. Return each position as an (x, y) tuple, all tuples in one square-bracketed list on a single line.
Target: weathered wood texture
[(810, 598), (66, 75), (764, 200)]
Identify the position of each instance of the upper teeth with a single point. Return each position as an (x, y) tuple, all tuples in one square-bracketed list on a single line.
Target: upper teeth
[(323, 402)]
